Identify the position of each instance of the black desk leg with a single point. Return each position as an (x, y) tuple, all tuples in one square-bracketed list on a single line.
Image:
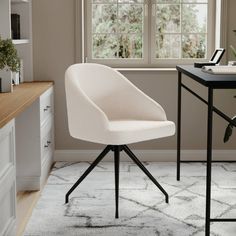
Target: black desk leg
[(179, 124), (209, 160)]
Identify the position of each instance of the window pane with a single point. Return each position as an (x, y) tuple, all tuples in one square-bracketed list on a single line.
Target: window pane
[(168, 46), (194, 46), (194, 18), (104, 46), (104, 18), (130, 46), (168, 18), (117, 29), (130, 18), (181, 28)]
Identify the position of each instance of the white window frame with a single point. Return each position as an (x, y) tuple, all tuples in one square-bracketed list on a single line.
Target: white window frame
[(148, 60)]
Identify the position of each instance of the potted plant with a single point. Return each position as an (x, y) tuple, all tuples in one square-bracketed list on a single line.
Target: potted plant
[(233, 50), (9, 62)]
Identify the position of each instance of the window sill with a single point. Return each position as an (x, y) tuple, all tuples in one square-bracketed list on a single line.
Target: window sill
[(147, 69)]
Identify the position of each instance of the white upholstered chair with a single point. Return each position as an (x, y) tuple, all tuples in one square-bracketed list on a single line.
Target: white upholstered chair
[(104, 107)]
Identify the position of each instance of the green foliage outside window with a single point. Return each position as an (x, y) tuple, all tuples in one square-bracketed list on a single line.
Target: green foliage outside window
[(117, 29)]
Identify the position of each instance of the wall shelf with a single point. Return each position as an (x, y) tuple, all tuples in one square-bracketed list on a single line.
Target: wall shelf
[(20, 41), (19, 1)]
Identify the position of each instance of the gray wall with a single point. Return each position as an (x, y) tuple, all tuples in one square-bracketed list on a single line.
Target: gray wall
[(54, 51)]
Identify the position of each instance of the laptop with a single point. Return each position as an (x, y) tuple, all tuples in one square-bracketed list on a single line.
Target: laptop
[(215, 59)]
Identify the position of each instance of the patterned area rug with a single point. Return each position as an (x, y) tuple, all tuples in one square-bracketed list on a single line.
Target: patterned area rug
[(143, 210)]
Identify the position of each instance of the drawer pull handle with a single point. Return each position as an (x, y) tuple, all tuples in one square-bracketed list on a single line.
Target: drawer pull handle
[(46, 108), (47, 145)]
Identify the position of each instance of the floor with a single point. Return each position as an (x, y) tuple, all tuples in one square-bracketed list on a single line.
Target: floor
[(143, 210), (26, 201)]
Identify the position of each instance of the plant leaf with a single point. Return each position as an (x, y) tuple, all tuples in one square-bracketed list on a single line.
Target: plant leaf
[(228, 133)]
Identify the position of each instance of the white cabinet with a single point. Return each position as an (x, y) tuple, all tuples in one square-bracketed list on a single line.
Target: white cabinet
[(26, 145), (35, 143), (7, 179)]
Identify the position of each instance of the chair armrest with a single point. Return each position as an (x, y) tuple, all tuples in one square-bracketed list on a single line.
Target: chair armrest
[(84, 117)]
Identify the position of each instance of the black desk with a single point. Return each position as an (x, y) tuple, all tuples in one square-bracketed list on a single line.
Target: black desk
[(211, 82)]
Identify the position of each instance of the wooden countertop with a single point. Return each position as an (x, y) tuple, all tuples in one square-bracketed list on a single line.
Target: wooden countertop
[(23, 95)]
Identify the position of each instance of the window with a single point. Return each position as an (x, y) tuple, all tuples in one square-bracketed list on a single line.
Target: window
[(148, 32)]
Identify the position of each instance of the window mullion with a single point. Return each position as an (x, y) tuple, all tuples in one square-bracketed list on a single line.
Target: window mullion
[(181, 30), (117, 35)]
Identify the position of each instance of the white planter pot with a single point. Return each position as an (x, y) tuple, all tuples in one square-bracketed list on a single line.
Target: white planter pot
[(232, 63), (6, 81)]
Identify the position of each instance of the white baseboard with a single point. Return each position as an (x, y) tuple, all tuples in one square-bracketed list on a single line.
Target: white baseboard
[(144, 155)]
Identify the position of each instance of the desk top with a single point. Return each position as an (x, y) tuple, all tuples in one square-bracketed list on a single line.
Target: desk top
[(23, 95), (206, 79)]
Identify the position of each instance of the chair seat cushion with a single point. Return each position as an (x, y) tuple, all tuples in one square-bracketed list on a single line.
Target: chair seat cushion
[(132, 131)]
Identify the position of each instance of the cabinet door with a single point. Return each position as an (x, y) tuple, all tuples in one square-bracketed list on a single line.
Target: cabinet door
[(7, 147), (7, 180)]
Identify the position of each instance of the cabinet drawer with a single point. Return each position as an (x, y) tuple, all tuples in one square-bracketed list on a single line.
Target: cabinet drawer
[(46, 105), (7, 147), (47, 140), (47, 145)]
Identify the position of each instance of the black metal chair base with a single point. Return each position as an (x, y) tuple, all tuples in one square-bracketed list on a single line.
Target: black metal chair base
[(117, 149)]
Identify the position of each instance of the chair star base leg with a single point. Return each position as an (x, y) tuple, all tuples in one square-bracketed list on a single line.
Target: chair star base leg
[(143, 168), (116, 149), (90, 168), (117, 170)]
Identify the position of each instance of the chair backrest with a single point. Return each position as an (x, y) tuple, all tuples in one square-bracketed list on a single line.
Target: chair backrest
[(104, 86), (96, 94), (97, 81)]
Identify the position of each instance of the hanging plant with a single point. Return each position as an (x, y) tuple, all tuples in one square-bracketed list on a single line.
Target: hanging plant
[(8, 56), (229, 128)]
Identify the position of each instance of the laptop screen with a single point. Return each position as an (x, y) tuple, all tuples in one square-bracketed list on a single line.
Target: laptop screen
[(217, 55)]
